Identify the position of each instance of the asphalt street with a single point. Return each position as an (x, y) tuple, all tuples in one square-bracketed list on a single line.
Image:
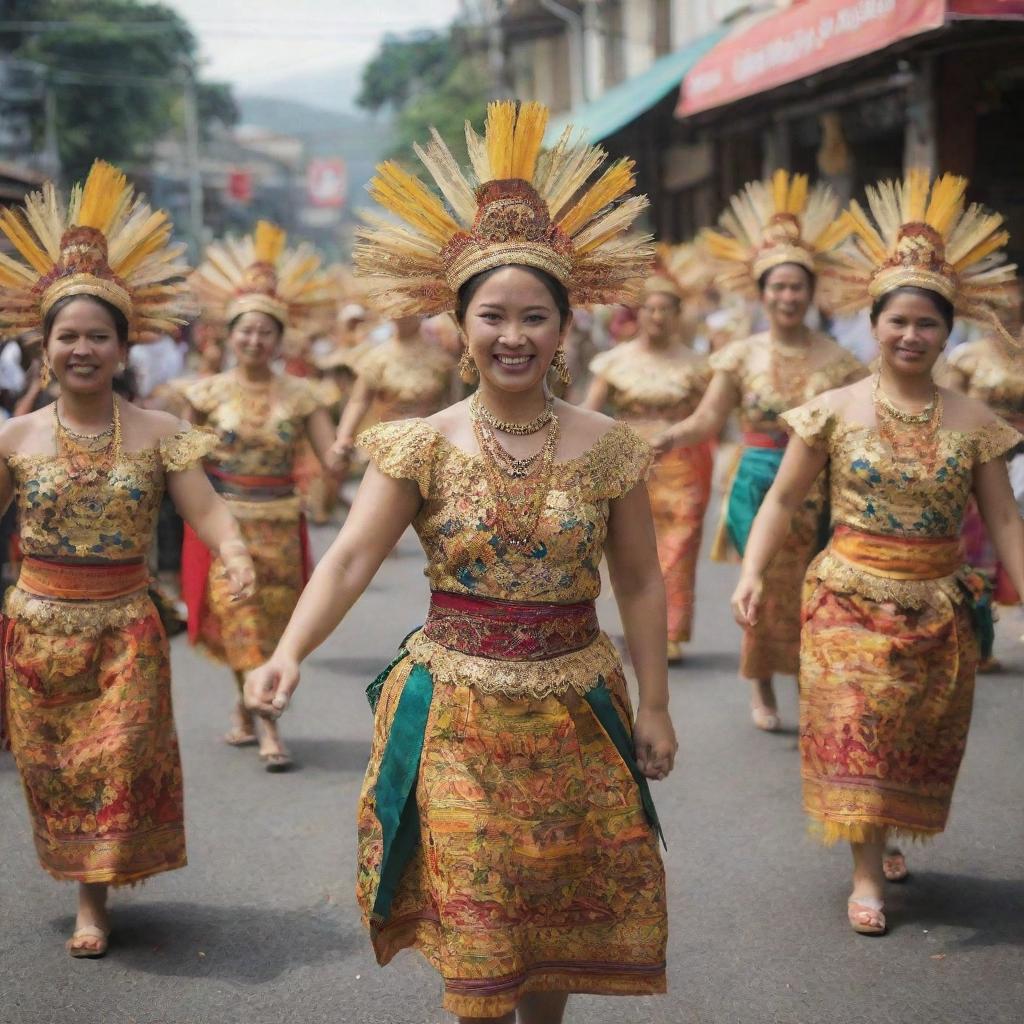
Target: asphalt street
[(262, 926)]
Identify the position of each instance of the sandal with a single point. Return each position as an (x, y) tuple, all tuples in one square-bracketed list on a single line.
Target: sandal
[(277, 761), (766, 719), (674, 652), (865, 915), (81, 952), (238, 737), (894, 866)]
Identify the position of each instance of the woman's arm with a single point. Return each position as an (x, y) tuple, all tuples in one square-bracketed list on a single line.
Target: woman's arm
[(800, 468), (208, 514), (998, 508), (354, 413), (707, 420), (636, 578), (320, 431), (597, 395), (382, 510)]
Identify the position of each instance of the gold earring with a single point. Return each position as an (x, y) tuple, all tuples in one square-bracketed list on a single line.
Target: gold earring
[(45, 373), (467, 368), (561, 367)]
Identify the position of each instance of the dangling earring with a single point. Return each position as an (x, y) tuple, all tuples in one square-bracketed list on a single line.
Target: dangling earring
[(45, 373), (561, 367), (467, 368)]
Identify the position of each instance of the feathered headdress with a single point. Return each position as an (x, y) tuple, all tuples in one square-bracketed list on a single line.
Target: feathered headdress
[(682, 270), (107, 243), (518, 206), (768, 223), (256, 274), (923, 234)]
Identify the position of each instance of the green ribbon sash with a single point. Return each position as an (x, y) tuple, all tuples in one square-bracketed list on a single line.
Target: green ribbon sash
[(754, 476)]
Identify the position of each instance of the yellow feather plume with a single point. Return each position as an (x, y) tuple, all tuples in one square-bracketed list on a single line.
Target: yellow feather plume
[(14, 227), (946, 203), (499, 134), (407, 197), (916, 200), (780, 190), (531, 123), (615, 182), (797, 194), (104, 195), (268, 242)]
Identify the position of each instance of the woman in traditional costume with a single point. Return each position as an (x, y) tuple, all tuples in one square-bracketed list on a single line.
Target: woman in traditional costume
[(991, 371), (260, 417), (506, 829), (774, 243), (651, 383), (86, 669), (888, 652)]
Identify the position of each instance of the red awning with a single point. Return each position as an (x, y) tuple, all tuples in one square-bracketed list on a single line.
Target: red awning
[(813, 35)]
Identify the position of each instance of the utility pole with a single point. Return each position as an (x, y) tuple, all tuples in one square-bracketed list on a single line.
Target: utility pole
[(193, 171)]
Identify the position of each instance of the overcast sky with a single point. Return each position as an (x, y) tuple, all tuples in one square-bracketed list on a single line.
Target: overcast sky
[(253, 42)]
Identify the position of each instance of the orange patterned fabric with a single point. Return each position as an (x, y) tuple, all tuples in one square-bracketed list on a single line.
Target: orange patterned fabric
[(537, 870), (76, 582)]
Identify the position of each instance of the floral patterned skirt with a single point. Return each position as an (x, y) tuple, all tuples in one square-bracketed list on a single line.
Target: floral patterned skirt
[(885, 704), (536, 869), (93, 737), (679, 488)]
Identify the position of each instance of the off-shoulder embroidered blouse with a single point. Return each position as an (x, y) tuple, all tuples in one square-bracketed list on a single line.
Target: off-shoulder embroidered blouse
[(992, 377), (873, 492), (410, 378), (107, 517), (648, 385), (747, 362), (456, 526), (259, 430)]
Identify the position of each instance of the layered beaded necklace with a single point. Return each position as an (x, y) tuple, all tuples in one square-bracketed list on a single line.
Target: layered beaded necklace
[(911, 436), (89, 455), (519, 486)]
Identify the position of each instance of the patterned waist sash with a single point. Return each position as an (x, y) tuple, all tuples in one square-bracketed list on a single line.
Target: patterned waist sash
[(509, 630), (753, 439), (898, 558), (254, 488), (75, 581)]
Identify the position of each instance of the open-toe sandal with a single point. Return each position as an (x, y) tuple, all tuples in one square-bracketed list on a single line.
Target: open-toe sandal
[(765, 718), (277, 761), (79, 951), (866, 916)]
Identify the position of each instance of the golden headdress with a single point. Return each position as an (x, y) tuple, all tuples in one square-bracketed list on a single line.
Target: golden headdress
[(256, 274), (682, 270), (108, 243), (769, 223), (924, 235), (519, 206)]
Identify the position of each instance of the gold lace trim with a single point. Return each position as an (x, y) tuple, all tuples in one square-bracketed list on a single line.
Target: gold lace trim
[(186, 448), (278, 510), (403, 450), (811, 423), (68, 618), (996, 439), (843, 577), (577, 671)]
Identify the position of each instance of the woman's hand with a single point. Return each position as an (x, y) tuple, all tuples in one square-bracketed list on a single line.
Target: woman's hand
[(664, 442), (654, 739), (746, 600), (238, 569), (269, 688)]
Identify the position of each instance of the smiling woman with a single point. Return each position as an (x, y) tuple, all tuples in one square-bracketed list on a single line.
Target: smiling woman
[(86, 685), (507, 715)]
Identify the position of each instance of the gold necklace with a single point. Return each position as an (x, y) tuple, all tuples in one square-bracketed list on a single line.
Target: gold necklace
[(880, 398), (518, 500), (480, 411), (788, 367), (912, 437), (89, 455)]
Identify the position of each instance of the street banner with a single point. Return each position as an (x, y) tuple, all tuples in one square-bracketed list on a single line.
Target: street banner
[(326, 182)]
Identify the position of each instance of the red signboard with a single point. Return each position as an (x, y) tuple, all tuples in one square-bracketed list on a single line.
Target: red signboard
[(326, 182), (812, 36), (240, 186)]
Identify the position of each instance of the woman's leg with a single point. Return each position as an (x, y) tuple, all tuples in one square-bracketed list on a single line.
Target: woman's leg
[(92, 914), (243, 726), (866, 900), (543, 1008)]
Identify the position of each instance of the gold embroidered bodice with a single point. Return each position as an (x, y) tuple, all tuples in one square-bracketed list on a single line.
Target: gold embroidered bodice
[(765, 395), (69, 513), (259, 429), (410, 378), (651, 389), (920, 495), (992, 376), (455, 525)]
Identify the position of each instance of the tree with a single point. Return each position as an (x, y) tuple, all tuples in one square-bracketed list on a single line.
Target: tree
[(425, 81), (117, 68)]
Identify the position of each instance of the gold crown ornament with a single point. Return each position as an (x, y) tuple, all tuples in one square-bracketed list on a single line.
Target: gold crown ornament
[(923, 234), (519, 205), (768, 223), (107, 243), (257, 274)]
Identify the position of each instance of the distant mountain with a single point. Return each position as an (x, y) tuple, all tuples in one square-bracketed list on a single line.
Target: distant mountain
[(359, 139), (333, 89)]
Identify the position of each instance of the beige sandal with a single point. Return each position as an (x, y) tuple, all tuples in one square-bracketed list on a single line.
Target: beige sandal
[(865, 916), (765, 718), (88, 931), (277, 761)]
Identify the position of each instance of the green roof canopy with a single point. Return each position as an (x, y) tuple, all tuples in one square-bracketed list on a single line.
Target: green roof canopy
[(627, 100)]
